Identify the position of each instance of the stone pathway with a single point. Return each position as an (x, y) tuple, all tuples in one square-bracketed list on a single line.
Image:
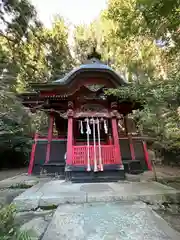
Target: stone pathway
[(95, 211), (108, 221), (34, 222), (57, 192)]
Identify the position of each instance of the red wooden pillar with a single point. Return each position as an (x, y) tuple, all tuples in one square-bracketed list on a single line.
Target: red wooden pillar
[(31, 163), (50, 133), (116, 141), (130, 139), (69, 152), (69, 141), (114, 113), (146, 156)]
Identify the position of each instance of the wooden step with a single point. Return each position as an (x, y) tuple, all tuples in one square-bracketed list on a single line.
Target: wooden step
[(133, 166)]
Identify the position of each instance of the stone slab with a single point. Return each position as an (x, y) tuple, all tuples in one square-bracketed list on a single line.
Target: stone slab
[(35, 227), (108, 221), (60, 192), (56, 199), (24, 217), (29, 199), (7, 195)]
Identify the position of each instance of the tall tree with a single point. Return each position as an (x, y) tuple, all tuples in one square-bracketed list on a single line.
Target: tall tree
[(59, 56), (28, 53), (152, 67)]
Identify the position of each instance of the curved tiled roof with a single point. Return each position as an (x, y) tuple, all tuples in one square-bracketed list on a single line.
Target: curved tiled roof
[(95, 66)]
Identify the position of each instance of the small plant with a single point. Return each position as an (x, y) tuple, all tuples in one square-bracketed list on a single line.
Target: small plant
[(50, 207), (20, 186), (8, 229)]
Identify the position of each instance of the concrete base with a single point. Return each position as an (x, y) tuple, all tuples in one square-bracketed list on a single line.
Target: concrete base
[(108, 221), (60, 192)]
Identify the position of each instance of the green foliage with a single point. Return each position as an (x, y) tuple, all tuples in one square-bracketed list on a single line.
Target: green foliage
[(161, 17), (8, 229), (15, 123), (29, 52), (59, 58), (152, 70), (125, 34), (21, 186), (160, 116)]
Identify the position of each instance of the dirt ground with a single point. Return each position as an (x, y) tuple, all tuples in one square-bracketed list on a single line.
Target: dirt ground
[(170, 176), (168, 171), (8, 173), (173, 219)]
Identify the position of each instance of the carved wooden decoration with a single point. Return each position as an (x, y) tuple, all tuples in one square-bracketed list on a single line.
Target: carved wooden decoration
[(93, 107), (94, 87), (70, 105)]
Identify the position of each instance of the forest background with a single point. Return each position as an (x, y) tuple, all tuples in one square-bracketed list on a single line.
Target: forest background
[(140, 39)]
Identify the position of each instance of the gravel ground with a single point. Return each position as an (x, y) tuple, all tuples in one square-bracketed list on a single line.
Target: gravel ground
[(8, 173)]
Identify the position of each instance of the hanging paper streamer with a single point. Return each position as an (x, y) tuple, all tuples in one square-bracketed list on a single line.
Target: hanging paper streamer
[(105, 127), (88, 131), (94, 138), (91, 121), (81, 127), (99, 145), (101, 123), (119, 124)]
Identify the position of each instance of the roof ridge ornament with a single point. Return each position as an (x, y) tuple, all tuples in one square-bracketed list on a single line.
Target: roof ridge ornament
[(94, 54), (93, 57)]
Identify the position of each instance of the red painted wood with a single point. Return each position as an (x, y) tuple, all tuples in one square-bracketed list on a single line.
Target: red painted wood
[(131, 148), (116, 141), (70, 142), (31, 163), (80, 155), (50, 132), (146, 155), (110, 142), (76, 85), (85, 143), (53, 138)]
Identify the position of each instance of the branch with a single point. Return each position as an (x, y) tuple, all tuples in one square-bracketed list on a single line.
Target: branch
[(6, 37)]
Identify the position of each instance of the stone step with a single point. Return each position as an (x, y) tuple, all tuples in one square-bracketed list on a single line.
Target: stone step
[(105, 176), (51, 169), (56, 192), (133, 166), (54, 164), (120, 221)]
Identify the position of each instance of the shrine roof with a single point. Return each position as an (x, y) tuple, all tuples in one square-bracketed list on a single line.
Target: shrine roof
[(92, 65), (90, 68)]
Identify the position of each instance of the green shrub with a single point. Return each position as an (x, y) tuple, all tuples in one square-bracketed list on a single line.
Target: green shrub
[(8, 229)]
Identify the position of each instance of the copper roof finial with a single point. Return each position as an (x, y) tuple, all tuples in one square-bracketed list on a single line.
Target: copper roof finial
[(94, 54)]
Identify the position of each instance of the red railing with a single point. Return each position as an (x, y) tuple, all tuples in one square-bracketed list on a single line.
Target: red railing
[(80, 154)]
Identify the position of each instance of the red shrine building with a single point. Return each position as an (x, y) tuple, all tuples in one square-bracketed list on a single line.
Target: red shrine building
[(90, 136)]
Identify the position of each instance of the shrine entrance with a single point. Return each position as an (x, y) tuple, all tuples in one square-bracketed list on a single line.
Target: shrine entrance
[(89, 136), (92, 142)]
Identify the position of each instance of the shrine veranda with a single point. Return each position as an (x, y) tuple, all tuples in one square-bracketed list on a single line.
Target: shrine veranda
[(90, 136)]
